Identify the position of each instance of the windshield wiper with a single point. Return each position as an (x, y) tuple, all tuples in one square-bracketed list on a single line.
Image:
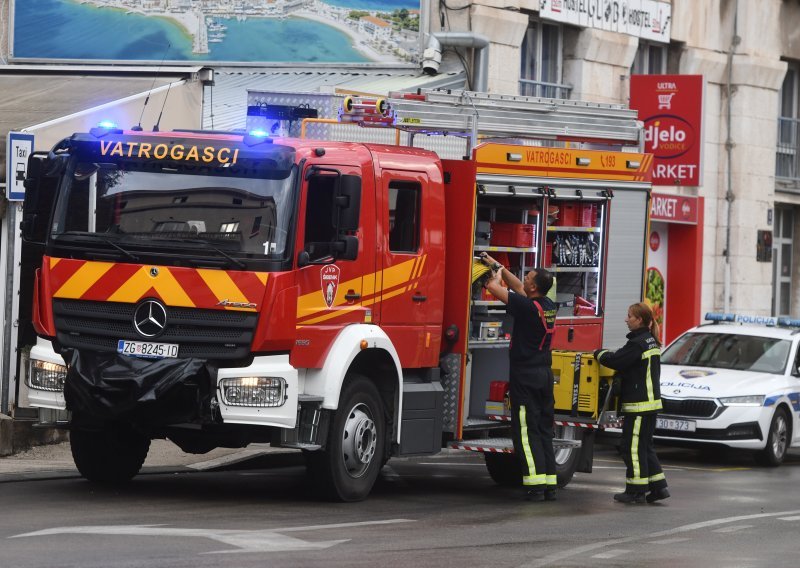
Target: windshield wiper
[(127, 253), (236, 262)]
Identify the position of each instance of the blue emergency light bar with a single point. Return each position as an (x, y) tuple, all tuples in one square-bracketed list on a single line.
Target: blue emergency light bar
[(753, 319), (105, 127)]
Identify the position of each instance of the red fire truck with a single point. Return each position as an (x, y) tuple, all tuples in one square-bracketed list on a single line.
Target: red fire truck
[(221, 289)]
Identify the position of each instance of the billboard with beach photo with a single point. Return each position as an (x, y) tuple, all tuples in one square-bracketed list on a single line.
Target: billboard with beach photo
[(218, 31)]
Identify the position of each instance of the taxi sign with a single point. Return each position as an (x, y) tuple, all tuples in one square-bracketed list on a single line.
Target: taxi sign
[(20, 147)]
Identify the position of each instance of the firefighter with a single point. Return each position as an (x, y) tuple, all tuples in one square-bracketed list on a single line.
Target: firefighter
[(639, 368), (531, 376)]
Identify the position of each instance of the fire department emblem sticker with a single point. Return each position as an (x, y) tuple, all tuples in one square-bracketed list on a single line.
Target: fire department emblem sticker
[(329, 275)]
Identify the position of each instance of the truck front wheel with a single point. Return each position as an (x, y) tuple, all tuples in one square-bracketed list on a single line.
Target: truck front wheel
[(113, 454), (347, 468)]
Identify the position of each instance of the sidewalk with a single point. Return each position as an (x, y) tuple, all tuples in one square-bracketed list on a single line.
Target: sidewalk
[(55, 460)]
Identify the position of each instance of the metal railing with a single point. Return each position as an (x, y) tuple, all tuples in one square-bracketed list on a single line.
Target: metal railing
[(787, 154), (530, 88)]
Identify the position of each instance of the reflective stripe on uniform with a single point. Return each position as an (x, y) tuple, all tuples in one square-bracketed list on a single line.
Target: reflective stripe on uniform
[(641, 406), (533, 478), (637, 478), (552, 480), (649, 354), (656, 477)]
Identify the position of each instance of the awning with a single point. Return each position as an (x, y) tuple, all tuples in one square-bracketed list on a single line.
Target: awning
[(35, 95)]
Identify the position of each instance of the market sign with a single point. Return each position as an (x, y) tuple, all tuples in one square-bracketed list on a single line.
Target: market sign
[(673, 208), (671, 107), (647, 19)]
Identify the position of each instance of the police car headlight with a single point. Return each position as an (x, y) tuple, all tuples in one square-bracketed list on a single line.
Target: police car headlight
[(751, 400), (47, 376), (254, 391)]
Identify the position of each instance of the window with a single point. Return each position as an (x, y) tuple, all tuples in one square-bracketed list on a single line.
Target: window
[(729, 351), (540, 74), (230, 227), (320, 231), (782, 250), (787, 164), (404, 216), (651, 59)]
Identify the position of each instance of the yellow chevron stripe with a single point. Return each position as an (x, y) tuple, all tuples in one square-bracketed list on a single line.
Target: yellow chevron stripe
[(83, 279), (54, 261), (221, 285), (262, 276), (330, 315), (165, 284)]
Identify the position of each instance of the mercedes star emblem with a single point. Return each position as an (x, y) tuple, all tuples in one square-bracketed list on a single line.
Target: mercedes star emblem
[(150, 318)]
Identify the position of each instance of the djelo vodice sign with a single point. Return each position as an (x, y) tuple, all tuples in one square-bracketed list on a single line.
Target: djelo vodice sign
[(671, 107)]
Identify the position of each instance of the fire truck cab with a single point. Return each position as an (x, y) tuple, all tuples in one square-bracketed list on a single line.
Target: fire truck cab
[(224, 289)]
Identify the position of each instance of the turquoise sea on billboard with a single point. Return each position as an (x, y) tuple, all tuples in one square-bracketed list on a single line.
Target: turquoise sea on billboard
[(70, 29)]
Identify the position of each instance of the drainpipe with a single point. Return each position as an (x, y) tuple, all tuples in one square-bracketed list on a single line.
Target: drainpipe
[(432, 56), (729, 196)]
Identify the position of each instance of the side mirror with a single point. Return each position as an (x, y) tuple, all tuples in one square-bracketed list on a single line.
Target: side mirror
[(347, 203), (347, 248), (41, 187)]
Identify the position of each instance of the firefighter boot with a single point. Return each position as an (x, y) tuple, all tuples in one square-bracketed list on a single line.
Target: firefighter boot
[(630, 497), (550, 494), (657, 495), (534, 495)]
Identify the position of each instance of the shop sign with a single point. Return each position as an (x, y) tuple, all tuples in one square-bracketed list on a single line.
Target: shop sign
[(671, 107), (647, 19), (673, 208)]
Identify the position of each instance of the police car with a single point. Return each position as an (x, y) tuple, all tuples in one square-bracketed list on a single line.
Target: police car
[(736, 383)]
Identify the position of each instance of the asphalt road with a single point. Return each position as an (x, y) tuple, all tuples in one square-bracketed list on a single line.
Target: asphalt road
[(439, 511)]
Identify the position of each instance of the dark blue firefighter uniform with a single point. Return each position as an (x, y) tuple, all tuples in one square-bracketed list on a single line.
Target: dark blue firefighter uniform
[(531, 388), (639, 367)]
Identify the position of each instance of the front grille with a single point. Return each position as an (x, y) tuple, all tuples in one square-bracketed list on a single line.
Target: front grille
[(201, 333), (691, 407)]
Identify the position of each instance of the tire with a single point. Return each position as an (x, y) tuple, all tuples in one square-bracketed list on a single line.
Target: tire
[(777, 441), (347, 468), (567, 458), (112, 455), (504, 469)]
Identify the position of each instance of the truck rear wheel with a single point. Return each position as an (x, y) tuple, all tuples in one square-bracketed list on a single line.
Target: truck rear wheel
[(113, 454), (504, 469), (347, 468), (567, 458)]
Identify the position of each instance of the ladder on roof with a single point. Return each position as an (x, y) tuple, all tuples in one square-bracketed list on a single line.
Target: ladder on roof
[(483, 115)]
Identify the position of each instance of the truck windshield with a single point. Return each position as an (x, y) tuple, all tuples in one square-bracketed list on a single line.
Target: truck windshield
[(233, 211), (729, 351)]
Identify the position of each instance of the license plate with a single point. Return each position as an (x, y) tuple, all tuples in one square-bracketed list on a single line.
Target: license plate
[(672, 424), (147, 349)]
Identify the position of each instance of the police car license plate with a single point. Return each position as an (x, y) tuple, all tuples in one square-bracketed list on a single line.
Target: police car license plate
[(672, 424), (147, 349)]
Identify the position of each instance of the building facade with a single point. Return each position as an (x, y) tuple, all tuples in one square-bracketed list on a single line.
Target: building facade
[(748, 52)]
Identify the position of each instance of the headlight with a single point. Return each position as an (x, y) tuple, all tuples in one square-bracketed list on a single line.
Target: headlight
[(253, 391), (46, 376), (751, 400)]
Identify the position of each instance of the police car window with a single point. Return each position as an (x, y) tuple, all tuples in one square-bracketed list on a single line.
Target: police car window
[(729, 351)]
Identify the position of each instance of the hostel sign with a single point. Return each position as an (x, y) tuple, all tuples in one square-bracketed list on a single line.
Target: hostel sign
[(647, 19), (671, 107)]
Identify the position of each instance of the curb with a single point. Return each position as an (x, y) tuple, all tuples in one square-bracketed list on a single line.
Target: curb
[(17, 435)]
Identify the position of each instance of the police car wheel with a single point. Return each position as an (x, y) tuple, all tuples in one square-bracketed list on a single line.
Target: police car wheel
[(777, 440), (347, 468)]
